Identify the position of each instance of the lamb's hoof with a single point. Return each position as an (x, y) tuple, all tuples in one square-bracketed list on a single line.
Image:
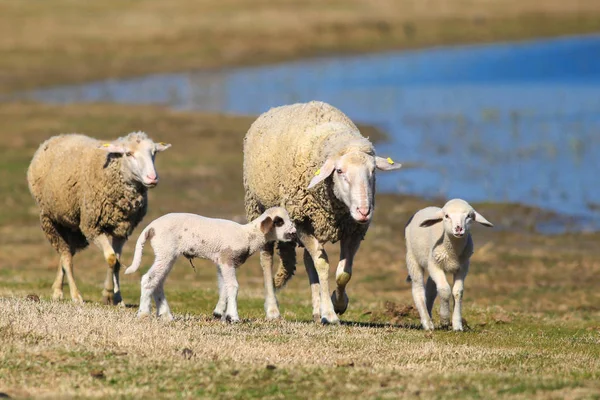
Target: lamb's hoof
[(143, 315), (118, 300), (57, 295), (273, 315), (427, 325), (330, 319), (445, 325), (167, 317), (231, 319), (107, 297), (339, 306), (217, 315), (317, 318), (457, 327)]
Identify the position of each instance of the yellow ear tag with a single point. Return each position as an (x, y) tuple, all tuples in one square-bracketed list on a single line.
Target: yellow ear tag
[(318, 172), (162, 143), (390, 161), (106, 145)]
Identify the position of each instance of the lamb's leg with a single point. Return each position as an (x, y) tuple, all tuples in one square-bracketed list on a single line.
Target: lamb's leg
[(418, 290), (231, 286), (315, 288), (117, 244), (321, 264), (221, 306), (443, 289), (457, 292), (266, 262), (348, 249), (430, 294), (57, 286), (103, 242), (153, 287)]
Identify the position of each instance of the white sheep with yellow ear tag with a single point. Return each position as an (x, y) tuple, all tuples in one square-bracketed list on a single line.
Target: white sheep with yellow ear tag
[(439, 240)]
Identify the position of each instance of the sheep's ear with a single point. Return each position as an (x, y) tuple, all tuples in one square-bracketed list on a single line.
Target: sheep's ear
[(386, 164), (266, 225), (438, 217), (162, 146), (113, 148), (479, 218), (322, 173)]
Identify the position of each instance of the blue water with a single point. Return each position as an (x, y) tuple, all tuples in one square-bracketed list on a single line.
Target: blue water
[(502, 122)]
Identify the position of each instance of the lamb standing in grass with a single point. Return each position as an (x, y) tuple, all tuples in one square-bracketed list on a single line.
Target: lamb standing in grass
[(440, 248), (92, 191), (311, 159), (226, 243)]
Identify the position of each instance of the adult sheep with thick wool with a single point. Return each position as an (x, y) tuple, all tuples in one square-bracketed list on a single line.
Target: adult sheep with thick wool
[(312, 159), (90, 191)]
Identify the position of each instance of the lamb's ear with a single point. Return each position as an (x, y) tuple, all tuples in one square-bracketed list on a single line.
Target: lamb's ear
[(479, 218), (434, 219), (386, 164), (113, 148), (266, 225), (322, 173), (162, 146)]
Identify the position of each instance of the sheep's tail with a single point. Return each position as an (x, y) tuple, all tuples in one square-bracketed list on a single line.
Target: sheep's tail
[(287, 266), (146, 234)]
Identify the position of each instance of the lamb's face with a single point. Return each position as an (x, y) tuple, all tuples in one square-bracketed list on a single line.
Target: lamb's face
[(277, 225), (457, 216), (138, 152)]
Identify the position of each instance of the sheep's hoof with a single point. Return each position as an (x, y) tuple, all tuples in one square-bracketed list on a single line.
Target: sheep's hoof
[(217, 315), (167, 317), (118, 300), (107, 298), (57, 295), (143, 315), (317, 318), (427, 325), (340, 306), (76, 297)]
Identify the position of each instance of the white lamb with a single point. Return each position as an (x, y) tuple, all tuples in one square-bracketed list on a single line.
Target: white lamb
[(226, 243), (440, 248)]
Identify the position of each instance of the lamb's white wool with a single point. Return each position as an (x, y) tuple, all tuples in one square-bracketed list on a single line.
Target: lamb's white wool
[(311, 159), (226, 243), (440, 248), (90, 191)]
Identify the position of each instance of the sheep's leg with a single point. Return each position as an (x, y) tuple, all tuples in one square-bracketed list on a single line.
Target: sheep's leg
[(117, 244), (152, 287), (60, 243), (348, 249), (103, 242), (430, 294), (457, 292), (221, 306), (418, 291), (321, 264), (443, 288), (231, 287), (315, 288), (266, 262)]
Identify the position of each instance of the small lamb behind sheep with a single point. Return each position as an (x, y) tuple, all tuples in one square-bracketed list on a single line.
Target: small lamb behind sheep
[(89, 191), (226, 243), (440, 248)]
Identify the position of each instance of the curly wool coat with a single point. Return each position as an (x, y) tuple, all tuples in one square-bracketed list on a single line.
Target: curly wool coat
[(81, 191), (283, 149)]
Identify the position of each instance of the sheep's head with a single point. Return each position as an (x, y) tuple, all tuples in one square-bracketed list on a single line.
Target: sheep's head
[(354, 180), (457, 215), (275, 223), (138, 152)]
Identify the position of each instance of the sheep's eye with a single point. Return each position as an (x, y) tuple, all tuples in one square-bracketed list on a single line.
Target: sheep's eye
[(129, 154), (339, 171), (446, 216), (278, 221)]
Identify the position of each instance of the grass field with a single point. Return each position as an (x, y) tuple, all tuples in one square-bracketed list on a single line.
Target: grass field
[(531, 300), (532, 304)]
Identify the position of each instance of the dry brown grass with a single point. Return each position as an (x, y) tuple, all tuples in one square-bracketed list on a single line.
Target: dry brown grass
[(66, 41)]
